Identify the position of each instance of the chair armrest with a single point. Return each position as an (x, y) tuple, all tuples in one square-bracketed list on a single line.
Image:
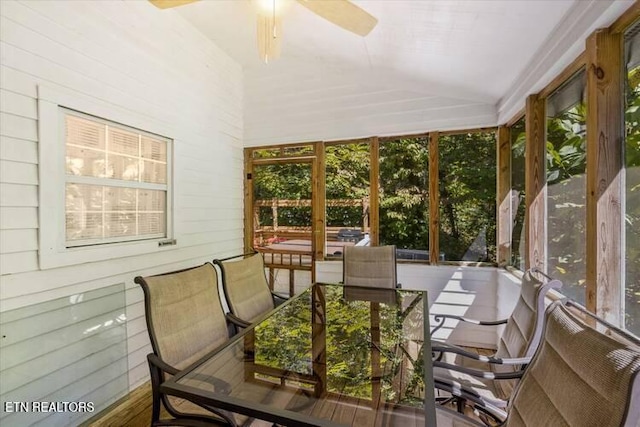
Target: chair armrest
[(439, 319), (475, 356), (480, 374), (279, 298), (237, 321), (160, 364)]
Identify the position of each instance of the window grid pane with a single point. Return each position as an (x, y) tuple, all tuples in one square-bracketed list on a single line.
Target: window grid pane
[(97, 212)]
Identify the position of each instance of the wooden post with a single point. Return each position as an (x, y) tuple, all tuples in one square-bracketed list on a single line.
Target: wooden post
[(374, 192), (434, 200), (605, 142), (318, 228), (504, 202), (248, 200), (535, 184)]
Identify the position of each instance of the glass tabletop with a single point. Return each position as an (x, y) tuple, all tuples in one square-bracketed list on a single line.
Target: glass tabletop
[(331, 355)]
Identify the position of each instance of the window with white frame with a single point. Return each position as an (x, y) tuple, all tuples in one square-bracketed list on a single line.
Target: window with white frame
[(116, 181)]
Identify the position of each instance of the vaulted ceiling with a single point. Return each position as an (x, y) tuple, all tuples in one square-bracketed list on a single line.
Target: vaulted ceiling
[(427, 64)]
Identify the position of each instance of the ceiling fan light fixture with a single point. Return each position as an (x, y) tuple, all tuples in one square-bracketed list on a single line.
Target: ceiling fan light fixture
[(269, 29)]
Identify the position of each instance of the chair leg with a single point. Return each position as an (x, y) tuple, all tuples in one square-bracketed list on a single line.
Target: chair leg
[(155, 393)]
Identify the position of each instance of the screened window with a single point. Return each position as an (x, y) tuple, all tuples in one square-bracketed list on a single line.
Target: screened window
[(116, 182), (404, 196), (566, 186), (518, 205), (347, 195), (632, 191), (467, 180)]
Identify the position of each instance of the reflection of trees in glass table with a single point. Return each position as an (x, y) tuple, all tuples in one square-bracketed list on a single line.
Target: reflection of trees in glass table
[(350, 356)]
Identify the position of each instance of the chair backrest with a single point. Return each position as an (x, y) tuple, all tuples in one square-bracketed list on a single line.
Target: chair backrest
[(370, 266), (579, 376), (523, 331), (245, 286), (184, 315)]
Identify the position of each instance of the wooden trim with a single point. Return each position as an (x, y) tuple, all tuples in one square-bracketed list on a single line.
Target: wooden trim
[(605, 186), (564, 76), (319, 196), (409, 136), (535, 184), (434, 200), (366, 140), (519, 115), (248, 200), (278, 146), (374, 191), (463, 131), (627, 19), (283, 160), (503, 193)]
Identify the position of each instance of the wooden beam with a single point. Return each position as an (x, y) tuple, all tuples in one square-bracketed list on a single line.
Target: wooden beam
[(503, 193), (248, 200), (535, 184), (605, 168), (374, 188), (625, 20), (434, 200), (564, 76), (463, 131)]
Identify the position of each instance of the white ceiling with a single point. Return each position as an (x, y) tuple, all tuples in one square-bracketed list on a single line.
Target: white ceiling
[(471, 49), (427, 65)]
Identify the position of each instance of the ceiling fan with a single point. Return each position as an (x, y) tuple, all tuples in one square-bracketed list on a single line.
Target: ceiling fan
[(342, 13)]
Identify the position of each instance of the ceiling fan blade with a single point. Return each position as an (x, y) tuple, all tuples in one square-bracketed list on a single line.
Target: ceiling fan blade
[(344, 14), (166, 4)]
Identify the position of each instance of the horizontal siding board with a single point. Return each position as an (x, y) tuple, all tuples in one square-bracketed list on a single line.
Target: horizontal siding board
[(58, 304), (18, 173), (18, 105), (18, 127), (18, 262), (91, 332), (17, 218), (18, 81), (18, 241), (18, 150), (51, 321)]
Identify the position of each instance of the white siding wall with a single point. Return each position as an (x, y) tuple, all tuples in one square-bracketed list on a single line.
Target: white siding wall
[(131, 57)]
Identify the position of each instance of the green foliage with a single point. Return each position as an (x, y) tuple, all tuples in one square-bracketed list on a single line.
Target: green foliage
[(518, 145), (285, 341), (404, 195), (467, 172), (632, 202), (566, 163)]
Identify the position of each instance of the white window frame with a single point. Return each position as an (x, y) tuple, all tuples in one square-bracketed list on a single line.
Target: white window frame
[(54, 250)]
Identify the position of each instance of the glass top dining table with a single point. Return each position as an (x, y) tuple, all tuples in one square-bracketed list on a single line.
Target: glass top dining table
[(330, 356)]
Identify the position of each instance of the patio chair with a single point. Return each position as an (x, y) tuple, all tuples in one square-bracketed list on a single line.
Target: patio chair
[(185, 321), (494, 377), (370, 266), (580, 376), (246, 288)]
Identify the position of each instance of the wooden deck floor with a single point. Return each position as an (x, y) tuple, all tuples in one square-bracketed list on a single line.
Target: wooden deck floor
[(134, 410)]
